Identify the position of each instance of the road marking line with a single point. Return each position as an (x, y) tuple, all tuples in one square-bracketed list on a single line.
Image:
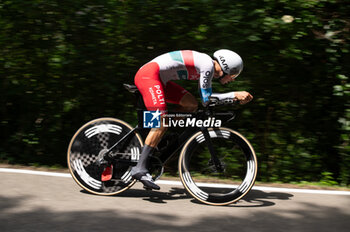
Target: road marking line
[(178, 183), (41, 173)]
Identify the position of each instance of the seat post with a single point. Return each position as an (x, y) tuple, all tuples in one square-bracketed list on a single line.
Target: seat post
[(140, 107)]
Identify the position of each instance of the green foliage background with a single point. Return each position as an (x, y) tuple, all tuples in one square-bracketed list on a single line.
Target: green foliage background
[(63, 63)]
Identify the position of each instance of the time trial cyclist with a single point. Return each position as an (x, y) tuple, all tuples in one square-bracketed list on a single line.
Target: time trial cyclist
[(155, 83)]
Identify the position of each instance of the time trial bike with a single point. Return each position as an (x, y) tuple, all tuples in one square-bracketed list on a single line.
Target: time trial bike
[(207, 155)]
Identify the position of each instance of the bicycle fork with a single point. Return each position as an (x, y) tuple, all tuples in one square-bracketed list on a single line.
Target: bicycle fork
[(214, 158)]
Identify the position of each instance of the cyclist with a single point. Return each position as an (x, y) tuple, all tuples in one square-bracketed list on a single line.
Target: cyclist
[(154, 81)]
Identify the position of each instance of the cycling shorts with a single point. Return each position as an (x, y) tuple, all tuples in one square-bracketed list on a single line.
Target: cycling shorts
[(155, 94)]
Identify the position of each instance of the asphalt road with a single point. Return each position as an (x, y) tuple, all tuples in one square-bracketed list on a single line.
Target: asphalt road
[(48, 203)]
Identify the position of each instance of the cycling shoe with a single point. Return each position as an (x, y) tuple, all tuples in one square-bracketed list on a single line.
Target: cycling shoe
[(147, 180)]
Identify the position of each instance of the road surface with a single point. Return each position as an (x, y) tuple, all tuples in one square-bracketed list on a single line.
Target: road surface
[(56, 203)]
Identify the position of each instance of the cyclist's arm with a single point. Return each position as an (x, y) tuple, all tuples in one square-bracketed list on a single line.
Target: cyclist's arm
[(205, 93), (242, 96), (206, 68), (222, 96)]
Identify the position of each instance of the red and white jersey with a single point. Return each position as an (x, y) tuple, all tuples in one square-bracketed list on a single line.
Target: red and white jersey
[(187, 65)]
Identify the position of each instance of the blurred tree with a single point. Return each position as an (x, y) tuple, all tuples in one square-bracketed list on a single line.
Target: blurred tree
[(64, 62)]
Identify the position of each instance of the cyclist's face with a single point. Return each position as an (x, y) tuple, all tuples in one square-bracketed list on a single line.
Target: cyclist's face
[(218, 73), (227, 79), (217, 70)]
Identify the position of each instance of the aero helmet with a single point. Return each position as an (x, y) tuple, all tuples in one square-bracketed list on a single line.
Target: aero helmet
[(230, 62)]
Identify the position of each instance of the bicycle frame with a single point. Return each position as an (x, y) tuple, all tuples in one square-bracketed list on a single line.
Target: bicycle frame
[(177, 144)]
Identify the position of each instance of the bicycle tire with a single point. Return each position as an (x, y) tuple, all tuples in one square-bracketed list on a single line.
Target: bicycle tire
[(88, 142), (196, 169)]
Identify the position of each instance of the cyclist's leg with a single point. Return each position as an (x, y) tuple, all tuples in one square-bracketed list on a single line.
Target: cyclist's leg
[(176, 94), (155, 135), (188, 103), (151, 88)]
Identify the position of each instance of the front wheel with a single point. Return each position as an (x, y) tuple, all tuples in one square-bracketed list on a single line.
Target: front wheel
[(204, 181)]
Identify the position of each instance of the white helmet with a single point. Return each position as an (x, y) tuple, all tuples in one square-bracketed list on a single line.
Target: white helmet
[(230, 62)]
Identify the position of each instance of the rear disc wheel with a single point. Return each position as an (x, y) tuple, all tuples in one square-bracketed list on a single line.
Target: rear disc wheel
[(90, 142)]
